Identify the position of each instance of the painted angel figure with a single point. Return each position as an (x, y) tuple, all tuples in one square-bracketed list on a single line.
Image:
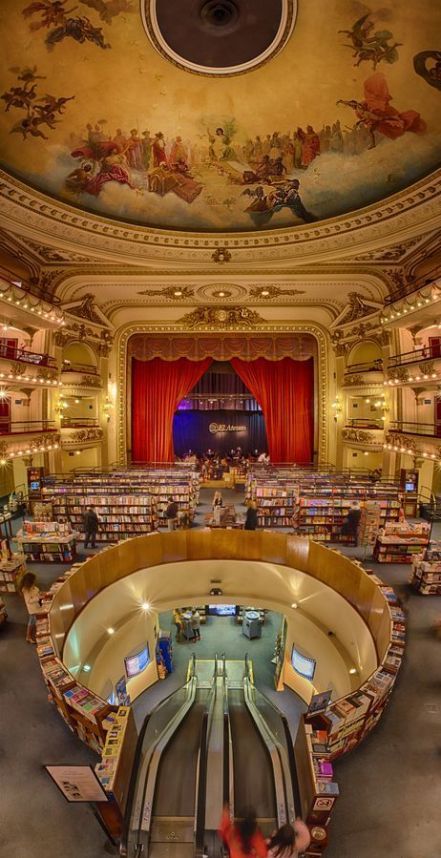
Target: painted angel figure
[(377, 115)]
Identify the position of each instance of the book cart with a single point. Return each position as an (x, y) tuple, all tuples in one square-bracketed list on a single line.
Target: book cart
[(400, 542), (426, 571)]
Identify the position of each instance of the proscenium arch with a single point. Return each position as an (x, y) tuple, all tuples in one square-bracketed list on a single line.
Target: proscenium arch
[(321, 373)]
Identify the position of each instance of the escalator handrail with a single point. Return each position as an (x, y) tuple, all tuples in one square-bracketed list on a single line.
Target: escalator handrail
[(273, 750), (228, 749), (155, 752), (286, 758), (134, 773)]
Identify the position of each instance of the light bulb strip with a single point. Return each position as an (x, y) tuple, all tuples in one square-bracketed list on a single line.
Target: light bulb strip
[(13, 293)]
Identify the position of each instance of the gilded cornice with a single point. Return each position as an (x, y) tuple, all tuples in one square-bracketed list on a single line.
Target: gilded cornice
[(42, 219), (322, 371)]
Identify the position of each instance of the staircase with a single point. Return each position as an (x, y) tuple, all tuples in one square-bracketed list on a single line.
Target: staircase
[(430, 510)]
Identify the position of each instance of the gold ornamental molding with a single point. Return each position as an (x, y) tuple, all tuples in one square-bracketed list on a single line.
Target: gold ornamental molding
[(40, 218), (322, 371)]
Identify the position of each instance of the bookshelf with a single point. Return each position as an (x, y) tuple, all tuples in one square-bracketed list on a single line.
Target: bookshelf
[(350, 719), (426, 571), (47, 542), (317, 504), (10, 573), (400, 542), (128, 503)]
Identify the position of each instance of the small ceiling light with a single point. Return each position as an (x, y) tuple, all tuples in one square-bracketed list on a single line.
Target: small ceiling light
[(264, 293), (86, 668), (146, 606), (294, 605), (110, 631), (352, 670), (178, 293)]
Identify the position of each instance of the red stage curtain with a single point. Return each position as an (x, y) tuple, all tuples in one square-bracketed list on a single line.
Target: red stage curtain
[(285, 392), (157, 389)]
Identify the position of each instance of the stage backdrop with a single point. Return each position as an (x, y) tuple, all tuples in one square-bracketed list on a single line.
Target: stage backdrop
[(218, 430), (157, 389)]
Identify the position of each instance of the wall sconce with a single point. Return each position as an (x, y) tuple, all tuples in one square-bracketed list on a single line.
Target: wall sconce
[(337, 408), (107, 408)]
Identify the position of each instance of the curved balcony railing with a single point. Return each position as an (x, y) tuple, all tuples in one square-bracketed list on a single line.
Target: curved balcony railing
[(364, 423), (429, 430), (368, 366), (28, 357), (19, 427), (84, 368), (415, 356), (79, 422)]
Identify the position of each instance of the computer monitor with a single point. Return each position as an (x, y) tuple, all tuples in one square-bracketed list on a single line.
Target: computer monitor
[(303, 664), (135, 664)]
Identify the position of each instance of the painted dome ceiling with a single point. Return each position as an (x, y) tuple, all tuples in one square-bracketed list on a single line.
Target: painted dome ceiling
[(118, 108)]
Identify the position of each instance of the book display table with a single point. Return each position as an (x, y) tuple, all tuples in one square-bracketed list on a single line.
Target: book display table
[(10, 572), (400, 542), (47, 542), (426, 571)]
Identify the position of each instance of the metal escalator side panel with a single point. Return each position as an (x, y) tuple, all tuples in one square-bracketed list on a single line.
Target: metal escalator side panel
[(273, 750), (215, 761), (138, 777), (156, 752)]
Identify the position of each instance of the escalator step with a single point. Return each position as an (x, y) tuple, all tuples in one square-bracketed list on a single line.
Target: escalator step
[(172, 829)]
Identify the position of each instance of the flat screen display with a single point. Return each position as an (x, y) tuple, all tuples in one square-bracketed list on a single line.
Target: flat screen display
[(135, 664), (222, 610), (302, 664), (409, 487)]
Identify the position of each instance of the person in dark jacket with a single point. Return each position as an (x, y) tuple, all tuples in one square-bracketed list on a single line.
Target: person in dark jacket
[(91, 524), (171, 513), (251, 517)]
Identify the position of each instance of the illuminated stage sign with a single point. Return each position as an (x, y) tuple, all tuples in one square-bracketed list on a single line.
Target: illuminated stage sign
[(216, 428)]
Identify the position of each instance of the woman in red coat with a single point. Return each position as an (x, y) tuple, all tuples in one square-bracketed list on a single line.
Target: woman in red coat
[(243, 839)]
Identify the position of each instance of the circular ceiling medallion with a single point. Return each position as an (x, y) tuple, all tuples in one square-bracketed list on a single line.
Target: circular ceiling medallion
[(222, 292), (218, 37)]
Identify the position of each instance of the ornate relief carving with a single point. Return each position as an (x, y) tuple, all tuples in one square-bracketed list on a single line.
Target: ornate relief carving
[(353, 380), (209, 318), (269, 292), (90, 381), (357, 308), (171, 292), (86, 310), (221, 346), (427, 368), (221, 255), (82, 436), (401, 373), (359, 436), (399, 440)]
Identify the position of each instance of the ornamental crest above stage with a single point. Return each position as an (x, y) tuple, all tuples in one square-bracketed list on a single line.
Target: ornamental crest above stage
[(287, 120)]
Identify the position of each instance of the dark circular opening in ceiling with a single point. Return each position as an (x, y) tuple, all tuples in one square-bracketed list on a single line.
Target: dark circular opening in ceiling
[(219, 14), (219, 34)]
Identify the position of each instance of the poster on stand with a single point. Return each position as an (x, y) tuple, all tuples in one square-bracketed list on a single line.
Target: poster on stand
[(319, 702), (77, 783)]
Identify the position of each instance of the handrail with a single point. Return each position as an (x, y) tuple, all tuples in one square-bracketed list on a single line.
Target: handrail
[(73, 366), (27, 356), (279, 758), (375, 365), (364, 423), (201, 788), (424, 353), (429, 430), (134, 773)]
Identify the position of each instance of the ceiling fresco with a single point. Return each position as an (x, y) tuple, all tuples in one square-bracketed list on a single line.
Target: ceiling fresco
[(346, 114)]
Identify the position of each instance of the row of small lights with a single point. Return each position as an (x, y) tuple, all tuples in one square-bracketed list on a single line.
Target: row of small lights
[(425, 377), (26, 304), (45, 448), (410, 452), (410, 309), (31, 378)]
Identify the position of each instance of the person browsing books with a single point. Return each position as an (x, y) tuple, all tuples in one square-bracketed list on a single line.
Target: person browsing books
[(91, 524), (171, 513), (31, 594)]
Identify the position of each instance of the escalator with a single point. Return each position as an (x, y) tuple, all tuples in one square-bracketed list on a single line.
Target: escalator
[(263, 770), (216, 740)]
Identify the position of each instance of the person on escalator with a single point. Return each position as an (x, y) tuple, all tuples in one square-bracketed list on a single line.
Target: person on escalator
[(289, 841), (243, 838)]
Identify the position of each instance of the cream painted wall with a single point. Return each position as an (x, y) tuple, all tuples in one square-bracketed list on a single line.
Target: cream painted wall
[(264, 584)]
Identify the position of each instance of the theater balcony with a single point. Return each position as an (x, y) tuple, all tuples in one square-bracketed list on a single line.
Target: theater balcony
[(29, 367), (27, 437), (369, 373), (364, 434), (421, 365), (80, 377)]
